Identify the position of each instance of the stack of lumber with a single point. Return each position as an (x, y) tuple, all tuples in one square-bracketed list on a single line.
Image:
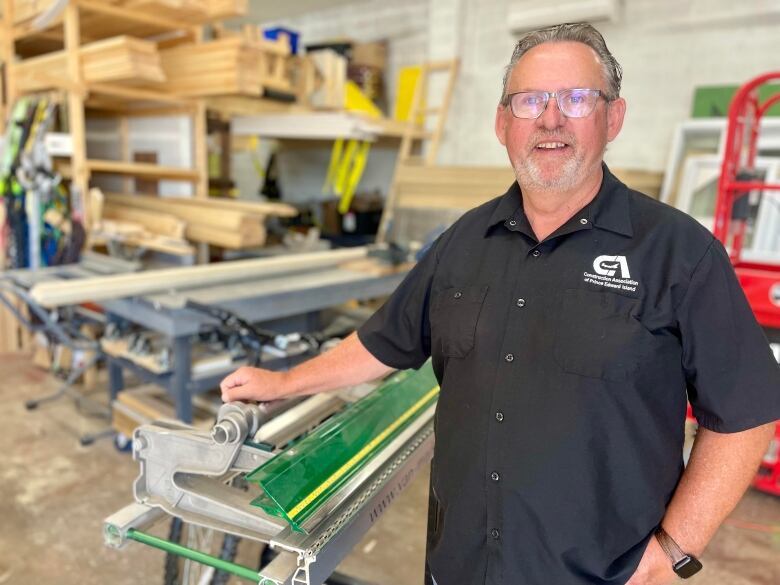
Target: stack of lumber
[(225, 223), (102, 19), (464, 187), (187, 12), (120, 59), (227, 66), (141, 228)]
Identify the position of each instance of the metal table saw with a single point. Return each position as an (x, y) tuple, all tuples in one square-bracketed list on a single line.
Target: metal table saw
[(282, 302), (283, 299)]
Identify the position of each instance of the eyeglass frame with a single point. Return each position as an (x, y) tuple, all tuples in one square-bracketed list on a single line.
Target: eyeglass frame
[(554, 94)]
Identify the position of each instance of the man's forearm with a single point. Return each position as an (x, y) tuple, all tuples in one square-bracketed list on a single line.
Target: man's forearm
[(346, 364), (719, 471)]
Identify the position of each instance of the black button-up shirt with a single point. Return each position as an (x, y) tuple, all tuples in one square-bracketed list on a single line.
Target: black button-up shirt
[(563, 367)]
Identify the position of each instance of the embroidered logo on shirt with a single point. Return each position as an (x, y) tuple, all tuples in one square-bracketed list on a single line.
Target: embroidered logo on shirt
[(774, 294), (608, 265), (606, 269)]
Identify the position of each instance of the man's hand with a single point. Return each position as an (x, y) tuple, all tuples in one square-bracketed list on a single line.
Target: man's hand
[(655, 568), (253, 384)]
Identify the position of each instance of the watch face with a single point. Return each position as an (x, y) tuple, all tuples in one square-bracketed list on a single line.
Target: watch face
[(687, 567)]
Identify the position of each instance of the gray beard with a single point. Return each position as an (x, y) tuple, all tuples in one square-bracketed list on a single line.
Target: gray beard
[(529, 175)]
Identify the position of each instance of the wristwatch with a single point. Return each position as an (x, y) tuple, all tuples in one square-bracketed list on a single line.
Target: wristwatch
[(683, 564)]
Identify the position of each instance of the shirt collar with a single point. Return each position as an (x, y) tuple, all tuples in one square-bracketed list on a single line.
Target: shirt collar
[(609, 210)]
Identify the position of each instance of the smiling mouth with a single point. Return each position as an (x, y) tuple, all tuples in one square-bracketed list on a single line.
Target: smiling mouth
[(551, 146)]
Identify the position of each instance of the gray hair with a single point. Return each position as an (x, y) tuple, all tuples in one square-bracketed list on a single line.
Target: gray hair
[(579, 32)]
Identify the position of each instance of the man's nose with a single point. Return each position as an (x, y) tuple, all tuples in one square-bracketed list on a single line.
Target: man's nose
[(552, 117)]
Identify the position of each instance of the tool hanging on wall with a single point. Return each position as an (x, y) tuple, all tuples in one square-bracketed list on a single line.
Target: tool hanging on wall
[(15, 224), (33, 193)]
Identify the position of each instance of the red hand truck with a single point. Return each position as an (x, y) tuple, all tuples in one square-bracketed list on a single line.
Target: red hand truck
[(759, 280)]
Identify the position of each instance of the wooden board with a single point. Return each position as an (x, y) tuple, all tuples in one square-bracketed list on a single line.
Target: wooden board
[(147, 403), (121, 59), (155, 222), (463, 187), (450, 187), (120, 348), (227, 66), (246, 238), (225, 219), (115, 167), (212, 204), (186, 12)]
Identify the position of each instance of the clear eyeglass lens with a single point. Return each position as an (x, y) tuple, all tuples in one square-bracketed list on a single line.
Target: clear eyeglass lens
[(577, 103), (573, 103)]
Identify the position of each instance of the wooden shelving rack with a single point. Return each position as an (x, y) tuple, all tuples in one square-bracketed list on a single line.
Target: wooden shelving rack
[(109, 57), (91, 20), (127, 58)]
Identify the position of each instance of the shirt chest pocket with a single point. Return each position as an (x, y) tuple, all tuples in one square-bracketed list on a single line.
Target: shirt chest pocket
[(454, 315), (598, 337)]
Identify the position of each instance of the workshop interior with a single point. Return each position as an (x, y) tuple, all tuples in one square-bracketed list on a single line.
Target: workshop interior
[(194, 186)]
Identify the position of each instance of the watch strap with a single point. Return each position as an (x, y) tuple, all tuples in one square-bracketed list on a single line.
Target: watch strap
[(683, 564), (670, 547)]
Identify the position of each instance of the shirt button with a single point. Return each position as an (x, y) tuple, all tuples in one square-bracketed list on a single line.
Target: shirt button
[(509, 357), (495, 476), (495, 533), (536, 253), (521, 302), (512, 222), (499, 416), (584, 221), (458, 294)]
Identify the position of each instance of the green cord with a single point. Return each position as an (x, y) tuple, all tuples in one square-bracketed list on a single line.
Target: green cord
[(196, 555)]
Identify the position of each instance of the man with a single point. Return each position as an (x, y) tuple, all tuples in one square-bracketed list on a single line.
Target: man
[(566, 319)]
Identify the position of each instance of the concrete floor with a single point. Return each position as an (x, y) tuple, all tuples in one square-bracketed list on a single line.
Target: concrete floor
[(54, 495)]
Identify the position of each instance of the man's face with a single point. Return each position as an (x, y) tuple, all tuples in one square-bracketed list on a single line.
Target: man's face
[(553, 152)]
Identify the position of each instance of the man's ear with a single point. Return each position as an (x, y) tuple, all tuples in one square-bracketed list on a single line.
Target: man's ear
[(501, 123), (615, 114)]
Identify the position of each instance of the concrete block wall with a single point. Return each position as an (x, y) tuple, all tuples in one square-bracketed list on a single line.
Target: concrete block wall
[(667, 47)]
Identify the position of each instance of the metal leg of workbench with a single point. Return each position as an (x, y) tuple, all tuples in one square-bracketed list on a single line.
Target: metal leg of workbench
[(180, 381), (66, 389), (116, 378)]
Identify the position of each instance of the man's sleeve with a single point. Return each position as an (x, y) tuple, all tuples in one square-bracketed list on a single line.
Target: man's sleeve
[(399, 333), (733, 378)]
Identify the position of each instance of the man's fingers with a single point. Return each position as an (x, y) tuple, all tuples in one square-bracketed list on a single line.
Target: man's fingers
[(245, 392), (237, 378)]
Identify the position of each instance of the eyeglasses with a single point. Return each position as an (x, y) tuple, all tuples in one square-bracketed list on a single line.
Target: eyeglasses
[(573, 103)]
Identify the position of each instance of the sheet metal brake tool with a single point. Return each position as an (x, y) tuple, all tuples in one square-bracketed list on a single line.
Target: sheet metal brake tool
[(308, 477)]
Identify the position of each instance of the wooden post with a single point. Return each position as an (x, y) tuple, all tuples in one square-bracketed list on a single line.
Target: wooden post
[(201, 156), (433, 145), (200, 150), (124, 137), (80, 177), (7, 50)]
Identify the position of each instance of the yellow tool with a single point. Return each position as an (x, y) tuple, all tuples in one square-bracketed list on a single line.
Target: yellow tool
[(342, 172), (348, 163), (354, 177), (335, 158)]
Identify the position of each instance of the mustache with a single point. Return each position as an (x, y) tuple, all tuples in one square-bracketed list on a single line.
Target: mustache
[(540, 137)]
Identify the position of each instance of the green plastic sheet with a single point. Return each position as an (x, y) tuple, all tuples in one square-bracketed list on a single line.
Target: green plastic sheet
[(301, 478)]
